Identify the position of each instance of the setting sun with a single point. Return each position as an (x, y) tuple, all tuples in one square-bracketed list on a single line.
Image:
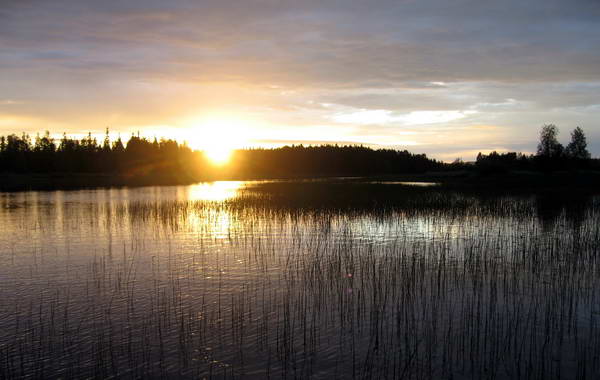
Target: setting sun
[(218, 155), (218, 138)]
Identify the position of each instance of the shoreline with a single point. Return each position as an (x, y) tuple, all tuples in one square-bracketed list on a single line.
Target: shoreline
[(456, 180)]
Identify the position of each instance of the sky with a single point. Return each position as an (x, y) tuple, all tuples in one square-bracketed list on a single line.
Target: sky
[(446, 78)]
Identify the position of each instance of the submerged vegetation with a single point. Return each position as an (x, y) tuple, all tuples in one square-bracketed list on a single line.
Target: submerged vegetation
[(423, 284)]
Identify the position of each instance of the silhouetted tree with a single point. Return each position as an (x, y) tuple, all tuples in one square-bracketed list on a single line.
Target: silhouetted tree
[(3, 162), (16, 153), (495, 162), (118, 155), (118, 145), (550, 153), (549, 147), (577, 148), (43, 157), (106, 142)]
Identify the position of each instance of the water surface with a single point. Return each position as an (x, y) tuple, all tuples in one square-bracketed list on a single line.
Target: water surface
[(213, 280)]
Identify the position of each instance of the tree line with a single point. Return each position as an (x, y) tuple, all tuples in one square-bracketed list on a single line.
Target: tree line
[(138, 157), (167, 161), (328, 160), (551, 155), (164, 158)]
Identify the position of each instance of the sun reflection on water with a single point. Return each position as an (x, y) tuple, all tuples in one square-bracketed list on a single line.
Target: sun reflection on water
[(213, 191)]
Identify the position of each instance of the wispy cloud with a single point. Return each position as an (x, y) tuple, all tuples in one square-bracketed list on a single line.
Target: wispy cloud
[(9, 102)]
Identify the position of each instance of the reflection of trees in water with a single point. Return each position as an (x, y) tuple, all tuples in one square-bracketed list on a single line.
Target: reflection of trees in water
[(550, 207)]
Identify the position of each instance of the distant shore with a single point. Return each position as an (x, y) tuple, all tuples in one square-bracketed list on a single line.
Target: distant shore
[(463, 179), (512, 180)]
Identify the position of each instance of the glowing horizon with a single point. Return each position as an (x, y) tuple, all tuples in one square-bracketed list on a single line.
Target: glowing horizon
[(221, 151), (396, 75)]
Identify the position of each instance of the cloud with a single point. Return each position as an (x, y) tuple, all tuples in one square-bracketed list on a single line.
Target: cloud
[(311, 42), (9, 102), (383, 65), (371, 117)]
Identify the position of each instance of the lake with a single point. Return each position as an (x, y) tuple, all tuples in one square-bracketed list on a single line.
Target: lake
[(298, 280)]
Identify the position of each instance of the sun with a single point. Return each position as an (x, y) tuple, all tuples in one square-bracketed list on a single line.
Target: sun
[(218, 138), (218, 155)]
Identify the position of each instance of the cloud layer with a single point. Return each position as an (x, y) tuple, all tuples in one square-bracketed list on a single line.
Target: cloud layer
[(446, 78)]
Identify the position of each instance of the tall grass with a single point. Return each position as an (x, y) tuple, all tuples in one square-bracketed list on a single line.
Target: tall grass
[(373, 282)]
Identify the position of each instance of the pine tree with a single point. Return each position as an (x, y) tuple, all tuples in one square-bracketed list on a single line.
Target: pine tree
[(106, 142), (118, 145)]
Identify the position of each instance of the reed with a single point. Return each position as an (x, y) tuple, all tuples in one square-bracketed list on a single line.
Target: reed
[(319, 281)]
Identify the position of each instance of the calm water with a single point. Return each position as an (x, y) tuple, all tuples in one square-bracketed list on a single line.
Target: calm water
[(189, 282)]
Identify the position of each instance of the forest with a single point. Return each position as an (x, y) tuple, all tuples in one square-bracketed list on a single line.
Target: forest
[(140, 157), (162, 161), (137, 157), (551, 155)]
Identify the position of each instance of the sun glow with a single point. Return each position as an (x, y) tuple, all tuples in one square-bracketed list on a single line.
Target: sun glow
[(218, 138), (218, 155)]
